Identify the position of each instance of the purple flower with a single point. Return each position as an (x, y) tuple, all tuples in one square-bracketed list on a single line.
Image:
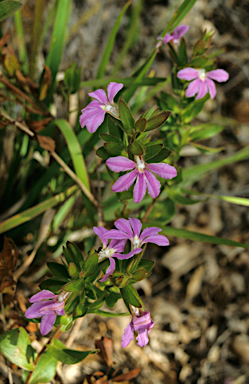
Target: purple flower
[(94, 113), (141, 322), (112, 250), (142, 172), (131, 229), (202, 81), (175, 36), (46, 305)]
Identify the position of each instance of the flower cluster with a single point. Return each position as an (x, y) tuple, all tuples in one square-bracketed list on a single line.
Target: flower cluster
[(142, 172), (47, 305), (93, 115), (202, 81)]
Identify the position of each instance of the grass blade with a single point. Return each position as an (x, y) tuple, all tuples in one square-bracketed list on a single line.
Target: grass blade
[(179, 15)]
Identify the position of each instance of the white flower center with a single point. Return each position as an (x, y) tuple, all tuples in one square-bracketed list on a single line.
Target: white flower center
[(136, 242), (111, 109), (202, 74), (140, 164), (106, 252)]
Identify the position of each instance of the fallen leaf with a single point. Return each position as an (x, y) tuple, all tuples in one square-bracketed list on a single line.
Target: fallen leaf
[(106, 350), (8, 261), (46, 143)]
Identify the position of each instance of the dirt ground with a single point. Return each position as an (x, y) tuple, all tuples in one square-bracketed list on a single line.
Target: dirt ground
[(198, 293)]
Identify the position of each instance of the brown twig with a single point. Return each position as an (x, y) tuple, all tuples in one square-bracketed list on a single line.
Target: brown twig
[(59, 160)]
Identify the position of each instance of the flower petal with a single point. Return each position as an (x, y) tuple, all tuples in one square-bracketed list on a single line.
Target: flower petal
[(142, 337), (193, 88), (124, 225), (188, 74), (43, 295), (100, 95), (101, 231), (139, 189), (203, 90), (167, 38), (211, 88), (163, 170), (109, 270), (116, 234), (124, 182), (219, 75), (93, 123), (47, 323), (120, 164), (136, 226), (127, 336), (153, 185), (128, 255), (151, 231), (51, 306), (180, 31), (34, 311), (113, 89), (158, 239), (117, 245)]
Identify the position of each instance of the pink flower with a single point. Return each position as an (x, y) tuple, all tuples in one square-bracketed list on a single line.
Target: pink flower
[(131, 229), (112, 250), (46, 309), (94, 113), (142, 172), (175, 36), (202, 81), (141, 322)]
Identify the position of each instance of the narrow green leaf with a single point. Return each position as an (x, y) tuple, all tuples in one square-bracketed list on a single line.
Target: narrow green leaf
[(75, 151), (179, 15), (45, 369), (152, 151), (157, 121), (126, 117), (110, 314), (130, 296), (110, 43), (7, 8), (16, 347), (195, 236), (66, 355), (127, 81), (30, 213), (57, 43), (204, 131)]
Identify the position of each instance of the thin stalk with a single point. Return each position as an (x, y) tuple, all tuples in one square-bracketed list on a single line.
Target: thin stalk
[(36, 37), (23, 56)]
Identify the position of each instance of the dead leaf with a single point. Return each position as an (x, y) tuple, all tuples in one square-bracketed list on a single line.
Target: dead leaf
[(4, 39), (10, 61), (46, 82), (37, 126), (127, 376), (106, 350), (46, 143), (8, 261)]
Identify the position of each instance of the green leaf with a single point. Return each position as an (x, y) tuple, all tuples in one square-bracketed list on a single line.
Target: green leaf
[(151, 112), (170, 102), (72, 78), (103, 153), (157, 121), (127, 81), (57, 43), (204, 131), (182, 54), (16, 347), (193, 109), (114, 148), (7, 8), (45, 369), (126, 117), (152, 150), (53, 285), (162, 155), (130, 296), (146, 264), (110, 314), (76, 254), (111, 139), (91, 264), (74, 286), (66, 355), (140, 124), (196, 236), (136, 148), (92, 307), (73, 270), (58, 270), (68, 256), (139, 274), (112, 298), (113, 128), (110, 43), (30, 213), (75, 150)]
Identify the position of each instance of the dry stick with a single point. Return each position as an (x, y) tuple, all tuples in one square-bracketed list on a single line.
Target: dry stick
[(56, 157)]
